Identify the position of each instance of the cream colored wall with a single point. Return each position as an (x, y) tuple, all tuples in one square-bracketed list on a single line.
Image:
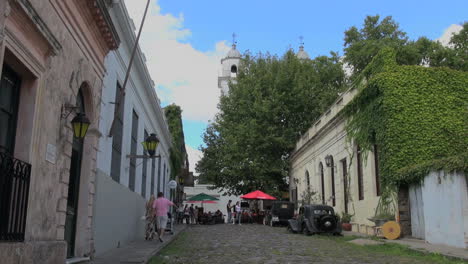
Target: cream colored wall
[(328, 137)]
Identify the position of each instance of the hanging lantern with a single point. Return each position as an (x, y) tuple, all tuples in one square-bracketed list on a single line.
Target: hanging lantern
[(150, 144), (80, 125)]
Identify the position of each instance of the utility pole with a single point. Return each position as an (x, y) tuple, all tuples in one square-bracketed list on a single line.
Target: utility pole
[(127, 75)]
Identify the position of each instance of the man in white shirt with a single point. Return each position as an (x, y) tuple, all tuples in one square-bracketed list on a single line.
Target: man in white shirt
[(238, 212)]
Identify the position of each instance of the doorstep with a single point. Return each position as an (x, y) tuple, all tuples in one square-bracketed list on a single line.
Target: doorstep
[(77, 260)]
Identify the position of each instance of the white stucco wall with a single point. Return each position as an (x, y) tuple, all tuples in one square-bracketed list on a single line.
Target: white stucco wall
[(328, 137), (443, 209), (141, 98)]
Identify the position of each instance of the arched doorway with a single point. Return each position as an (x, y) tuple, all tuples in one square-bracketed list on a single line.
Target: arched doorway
[(74, 185)]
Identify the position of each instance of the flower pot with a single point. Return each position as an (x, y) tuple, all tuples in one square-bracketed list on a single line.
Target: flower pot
[(346, 226)]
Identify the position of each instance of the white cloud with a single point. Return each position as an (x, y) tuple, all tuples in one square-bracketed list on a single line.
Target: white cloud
[(447, 35), (194, 155), (188, 77)]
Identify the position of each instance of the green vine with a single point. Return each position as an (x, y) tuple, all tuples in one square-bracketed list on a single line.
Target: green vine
[(417, 116), (177, 151)]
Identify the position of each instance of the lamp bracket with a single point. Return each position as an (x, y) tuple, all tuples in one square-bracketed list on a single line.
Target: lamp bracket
[(67, 109), (143, 156)]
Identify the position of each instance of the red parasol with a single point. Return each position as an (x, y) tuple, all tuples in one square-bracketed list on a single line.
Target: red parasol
[(258, 195)]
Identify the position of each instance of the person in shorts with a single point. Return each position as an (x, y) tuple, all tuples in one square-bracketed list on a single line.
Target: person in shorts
[(161, 207)]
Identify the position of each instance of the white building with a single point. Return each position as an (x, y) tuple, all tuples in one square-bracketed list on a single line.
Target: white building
[(349, 182), (229, 69), (123, 185)]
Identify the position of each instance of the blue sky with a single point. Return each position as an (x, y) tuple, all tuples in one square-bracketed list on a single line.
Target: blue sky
[(184, 39), (275, 25)]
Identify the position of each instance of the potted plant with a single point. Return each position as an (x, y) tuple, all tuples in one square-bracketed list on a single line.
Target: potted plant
[(345, 221), (385, 210)]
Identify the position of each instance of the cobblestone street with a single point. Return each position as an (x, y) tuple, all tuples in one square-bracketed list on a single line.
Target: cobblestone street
[(264, 244)]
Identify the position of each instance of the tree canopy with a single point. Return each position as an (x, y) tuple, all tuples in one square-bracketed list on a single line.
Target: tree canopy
[(272, 103), (361, 45)]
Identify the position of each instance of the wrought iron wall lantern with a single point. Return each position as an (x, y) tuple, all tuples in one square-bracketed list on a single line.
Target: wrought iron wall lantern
[(80, 123), (329, 160), (149, 145), (181, 180)]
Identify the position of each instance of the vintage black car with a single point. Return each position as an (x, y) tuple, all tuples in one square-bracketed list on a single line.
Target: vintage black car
[(315, 219), (280, 213)]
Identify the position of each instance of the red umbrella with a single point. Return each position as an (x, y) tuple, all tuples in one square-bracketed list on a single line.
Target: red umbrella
[(258, 195)]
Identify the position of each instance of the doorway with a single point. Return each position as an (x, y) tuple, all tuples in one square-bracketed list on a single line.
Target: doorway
[(9, 102), (345, 184), (74, 186)]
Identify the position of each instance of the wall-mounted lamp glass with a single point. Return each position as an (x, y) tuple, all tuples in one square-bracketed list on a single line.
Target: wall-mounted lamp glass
[(150, 144), (80, 125)]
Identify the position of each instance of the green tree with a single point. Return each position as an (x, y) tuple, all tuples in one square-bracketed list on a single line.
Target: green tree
[(178, 152), (361, 45), (273, 102)]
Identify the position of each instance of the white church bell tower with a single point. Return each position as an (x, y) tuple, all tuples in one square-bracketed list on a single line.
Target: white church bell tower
[(230, 66)]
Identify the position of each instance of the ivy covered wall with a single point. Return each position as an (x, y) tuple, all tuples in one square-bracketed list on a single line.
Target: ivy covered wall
[(417, 116), (178, 153)]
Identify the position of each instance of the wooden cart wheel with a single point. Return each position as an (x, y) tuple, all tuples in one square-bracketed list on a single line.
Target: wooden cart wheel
[(391, 230)]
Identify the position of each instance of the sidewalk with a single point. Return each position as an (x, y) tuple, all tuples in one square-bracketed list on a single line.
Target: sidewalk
[(422, 246), (138, 251)]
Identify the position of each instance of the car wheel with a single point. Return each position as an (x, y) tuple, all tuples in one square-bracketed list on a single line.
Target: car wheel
[(305, 230)]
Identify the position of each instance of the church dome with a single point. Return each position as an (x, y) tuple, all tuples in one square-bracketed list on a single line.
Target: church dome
[(233, 53), (302, 54)]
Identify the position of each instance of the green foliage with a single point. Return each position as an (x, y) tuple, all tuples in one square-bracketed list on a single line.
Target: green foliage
[(361, 46), (414, 115), (273, 102), (310, 196), (177, 152), (345, 217)]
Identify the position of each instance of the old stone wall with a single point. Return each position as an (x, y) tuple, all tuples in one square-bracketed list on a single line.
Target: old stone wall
[(57, 50)]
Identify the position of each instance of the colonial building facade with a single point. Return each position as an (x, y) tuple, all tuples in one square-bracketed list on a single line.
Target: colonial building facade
[(52, 67), (123, 184), (328, 169)]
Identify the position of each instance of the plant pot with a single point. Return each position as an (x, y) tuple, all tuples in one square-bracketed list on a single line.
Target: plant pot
[(346, 226)]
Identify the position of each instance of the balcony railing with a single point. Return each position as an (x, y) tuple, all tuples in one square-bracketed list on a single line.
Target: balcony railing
[(14, 191)]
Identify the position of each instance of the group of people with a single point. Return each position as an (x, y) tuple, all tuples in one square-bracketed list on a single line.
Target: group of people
[(157, 214), (187, 213), (234, 212), (195, 215)]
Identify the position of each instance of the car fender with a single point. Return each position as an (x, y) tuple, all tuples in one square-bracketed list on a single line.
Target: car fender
[(294, 225), (309, 225)]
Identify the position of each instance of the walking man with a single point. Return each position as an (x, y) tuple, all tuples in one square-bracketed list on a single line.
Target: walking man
[(238, 212), (229, 211), (161, 206)]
